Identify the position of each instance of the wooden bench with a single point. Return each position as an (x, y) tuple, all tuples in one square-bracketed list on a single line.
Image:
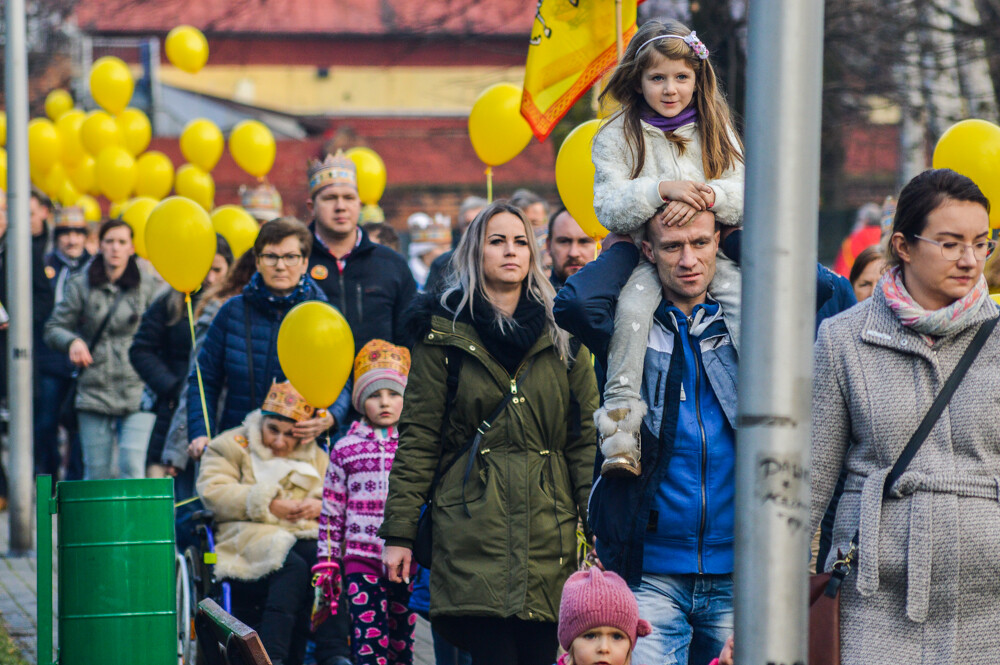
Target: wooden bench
[(225, 640)]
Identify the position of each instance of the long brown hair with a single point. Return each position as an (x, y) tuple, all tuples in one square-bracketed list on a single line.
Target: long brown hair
[(721, 148)]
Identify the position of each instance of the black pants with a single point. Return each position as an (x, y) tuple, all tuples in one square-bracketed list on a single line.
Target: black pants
[(283, 623), (495, 641)]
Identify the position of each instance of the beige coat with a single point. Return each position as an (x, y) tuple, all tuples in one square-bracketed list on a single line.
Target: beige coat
[(238, 479)]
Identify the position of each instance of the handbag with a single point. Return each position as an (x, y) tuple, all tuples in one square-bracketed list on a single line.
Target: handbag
[(824, 588), (423, 542), (67, 410)]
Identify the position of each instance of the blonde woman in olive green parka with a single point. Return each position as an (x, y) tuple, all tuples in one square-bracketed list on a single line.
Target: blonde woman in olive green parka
[(504, 535)]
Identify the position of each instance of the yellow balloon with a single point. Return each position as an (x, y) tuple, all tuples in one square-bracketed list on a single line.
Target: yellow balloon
[(154, 175), (237, 226), (202, 144), (180, 242), (117, 208), (3, 128), (575, 178), (115, 173), (70, 147), (111, 84), (252, 146), (99, 131), (91, 208), (972, 148), (57, 102), (316, 351), (3, 169), (195, 184), (135, 130), (84, 175), (136, 213), (43, 144), (371, 174), (497, 129), (187, 48), (67, 193), (54, 180)]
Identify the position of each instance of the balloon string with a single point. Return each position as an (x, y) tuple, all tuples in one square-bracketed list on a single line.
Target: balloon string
[(489, 184), (197, 367)]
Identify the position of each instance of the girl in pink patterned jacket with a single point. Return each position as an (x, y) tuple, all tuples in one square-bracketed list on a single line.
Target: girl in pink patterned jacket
[(354, 493)]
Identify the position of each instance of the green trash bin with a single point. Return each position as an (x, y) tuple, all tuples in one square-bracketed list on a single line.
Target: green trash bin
[(116, 572)]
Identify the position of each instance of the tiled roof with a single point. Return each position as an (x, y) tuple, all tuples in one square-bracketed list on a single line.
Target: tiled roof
[(329, 17)]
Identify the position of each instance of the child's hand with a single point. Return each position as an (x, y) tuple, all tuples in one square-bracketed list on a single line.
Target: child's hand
[(677, 213), (726, 657), (611, 240), (695, 194)]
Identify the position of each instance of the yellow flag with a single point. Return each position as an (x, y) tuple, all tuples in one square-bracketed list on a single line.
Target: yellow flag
[(573, 43)]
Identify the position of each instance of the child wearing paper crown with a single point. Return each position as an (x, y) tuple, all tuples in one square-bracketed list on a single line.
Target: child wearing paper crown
[(354, 494), (667, 154), (599, 620)]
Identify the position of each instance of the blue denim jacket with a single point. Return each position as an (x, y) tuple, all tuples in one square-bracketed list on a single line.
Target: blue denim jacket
[(621, 511)]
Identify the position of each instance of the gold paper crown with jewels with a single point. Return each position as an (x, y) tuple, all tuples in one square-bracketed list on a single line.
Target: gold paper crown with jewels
[(283, 400), (70, 217), (333, 170), (263, 201)]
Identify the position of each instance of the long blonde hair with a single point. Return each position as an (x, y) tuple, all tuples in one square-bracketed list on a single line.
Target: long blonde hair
[(721, 148), (467, 278)]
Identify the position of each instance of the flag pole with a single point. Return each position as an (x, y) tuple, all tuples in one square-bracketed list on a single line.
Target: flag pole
[(618, 29)]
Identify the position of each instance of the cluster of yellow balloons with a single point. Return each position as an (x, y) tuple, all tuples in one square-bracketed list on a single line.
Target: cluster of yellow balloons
[(575, 178), (972, 148)]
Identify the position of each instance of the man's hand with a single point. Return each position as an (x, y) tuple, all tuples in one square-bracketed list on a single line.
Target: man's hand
[(397, 561), (197, 447), (307, 430), (79, 354)]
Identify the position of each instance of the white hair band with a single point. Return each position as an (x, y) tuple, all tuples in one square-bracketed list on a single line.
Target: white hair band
[(691, 40)]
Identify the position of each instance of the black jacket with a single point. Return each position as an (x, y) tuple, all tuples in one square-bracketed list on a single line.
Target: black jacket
[(57, 271), (372, 292), (160, 353)]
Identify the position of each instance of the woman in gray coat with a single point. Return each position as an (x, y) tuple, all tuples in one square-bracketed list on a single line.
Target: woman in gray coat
[(108, 388), (926, 584)]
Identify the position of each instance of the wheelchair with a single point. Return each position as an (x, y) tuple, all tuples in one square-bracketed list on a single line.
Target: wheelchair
[(195, 562)]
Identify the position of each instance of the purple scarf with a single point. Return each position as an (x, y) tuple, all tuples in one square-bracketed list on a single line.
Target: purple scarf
[(685, 117)]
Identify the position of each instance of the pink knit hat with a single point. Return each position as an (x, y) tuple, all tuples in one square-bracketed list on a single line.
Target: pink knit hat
[(594, 598)]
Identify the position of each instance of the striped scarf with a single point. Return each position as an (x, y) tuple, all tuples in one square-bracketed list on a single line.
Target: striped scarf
[(931, 323)]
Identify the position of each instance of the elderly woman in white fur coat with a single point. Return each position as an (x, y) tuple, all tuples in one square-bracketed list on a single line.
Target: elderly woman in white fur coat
[(265, 485)]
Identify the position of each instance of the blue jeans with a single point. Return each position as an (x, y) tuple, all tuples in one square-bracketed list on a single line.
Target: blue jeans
[(50, 393), (97, 436), (692, 616)]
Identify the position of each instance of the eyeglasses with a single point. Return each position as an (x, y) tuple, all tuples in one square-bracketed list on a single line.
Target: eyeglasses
[(953, 251), (271, 260)]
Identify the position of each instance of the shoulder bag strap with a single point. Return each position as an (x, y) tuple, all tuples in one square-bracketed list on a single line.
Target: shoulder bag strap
[(107, 319), (249, 337), (843, 567)]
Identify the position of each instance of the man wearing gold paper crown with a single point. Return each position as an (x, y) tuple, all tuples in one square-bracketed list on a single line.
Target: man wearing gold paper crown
[(265, 487), (262, 201), (370, 284)]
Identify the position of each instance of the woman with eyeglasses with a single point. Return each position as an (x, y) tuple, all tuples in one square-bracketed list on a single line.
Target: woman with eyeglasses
[(240, 352), (923, 585)]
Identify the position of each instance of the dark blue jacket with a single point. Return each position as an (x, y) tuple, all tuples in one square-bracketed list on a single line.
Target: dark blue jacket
[(627, 514), (224, 355), (58, 269)]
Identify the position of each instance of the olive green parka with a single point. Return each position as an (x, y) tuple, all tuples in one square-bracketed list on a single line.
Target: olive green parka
[(529, 484)]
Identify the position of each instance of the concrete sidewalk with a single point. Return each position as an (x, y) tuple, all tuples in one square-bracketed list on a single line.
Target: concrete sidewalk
[(19, 603)]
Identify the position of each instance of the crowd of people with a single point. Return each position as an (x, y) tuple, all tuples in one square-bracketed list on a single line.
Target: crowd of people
[(517, 401)]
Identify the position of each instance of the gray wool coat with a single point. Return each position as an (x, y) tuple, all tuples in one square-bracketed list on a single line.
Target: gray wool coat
[(110, 386), (927, 586)]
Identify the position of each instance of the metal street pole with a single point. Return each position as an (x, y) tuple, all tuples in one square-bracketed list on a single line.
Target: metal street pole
[(784, 78), (18, 256)]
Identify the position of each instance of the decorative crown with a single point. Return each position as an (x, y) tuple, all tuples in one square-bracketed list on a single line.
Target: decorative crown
[(333, 170), (283, 400), (70, 217), (381, 355), (424, 228), (263, 202)]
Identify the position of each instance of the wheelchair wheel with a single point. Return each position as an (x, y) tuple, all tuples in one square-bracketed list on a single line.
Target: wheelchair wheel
[(186, 642)]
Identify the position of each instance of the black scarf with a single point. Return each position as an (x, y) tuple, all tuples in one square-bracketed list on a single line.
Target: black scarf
[(510, 345)]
